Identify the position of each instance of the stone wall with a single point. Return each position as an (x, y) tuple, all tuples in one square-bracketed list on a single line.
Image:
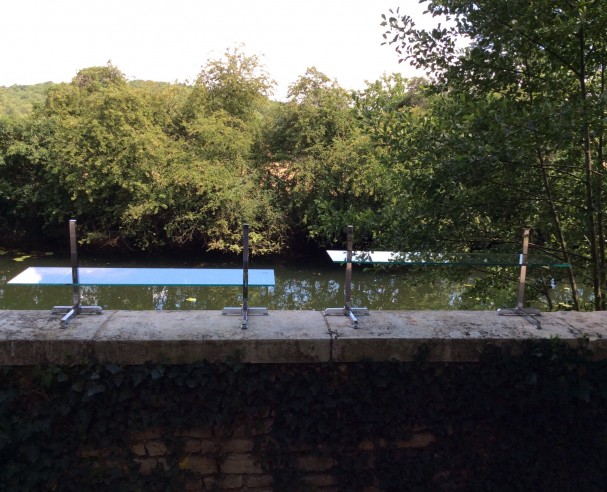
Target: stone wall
[(534, 421), (138, 337), (451, 401), (224, 459)]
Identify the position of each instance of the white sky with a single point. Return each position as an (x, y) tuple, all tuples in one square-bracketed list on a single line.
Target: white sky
[(170, 40)]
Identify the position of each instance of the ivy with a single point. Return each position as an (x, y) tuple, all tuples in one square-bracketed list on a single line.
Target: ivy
[(532, 421)]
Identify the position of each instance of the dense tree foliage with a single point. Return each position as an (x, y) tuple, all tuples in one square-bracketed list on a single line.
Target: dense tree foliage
[(142, 167), (521, 117), (19, 100), (505, 132), (319, 162)]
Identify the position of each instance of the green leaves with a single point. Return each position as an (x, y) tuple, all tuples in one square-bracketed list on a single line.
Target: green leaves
[(145, 166), (523, 84)]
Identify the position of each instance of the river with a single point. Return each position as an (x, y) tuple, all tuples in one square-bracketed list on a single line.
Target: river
[(313, 284)]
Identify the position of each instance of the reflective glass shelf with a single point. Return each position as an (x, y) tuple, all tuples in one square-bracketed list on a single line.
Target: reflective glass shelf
[(212, 277), (445, 259)]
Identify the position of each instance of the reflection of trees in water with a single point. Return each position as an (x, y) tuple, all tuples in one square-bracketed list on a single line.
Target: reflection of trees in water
[(316, 288), (89, 296), (406, 291), (159, 297), (306, 294), (375, 289)]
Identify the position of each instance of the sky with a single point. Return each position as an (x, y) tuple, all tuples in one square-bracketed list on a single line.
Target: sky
[(171, 40)]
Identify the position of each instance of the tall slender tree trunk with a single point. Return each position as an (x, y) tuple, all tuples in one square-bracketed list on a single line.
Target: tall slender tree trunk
[(553, 207), (599, 184), (589, 179), (559, 229)]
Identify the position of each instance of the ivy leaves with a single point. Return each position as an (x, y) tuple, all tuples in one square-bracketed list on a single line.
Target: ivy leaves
[(400, 425)]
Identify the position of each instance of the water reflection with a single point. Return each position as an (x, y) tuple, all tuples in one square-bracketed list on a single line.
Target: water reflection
[(318, 286), (443, 259)]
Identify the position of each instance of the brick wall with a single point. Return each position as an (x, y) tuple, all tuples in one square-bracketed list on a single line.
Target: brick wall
[(530, 421), (222, 458)]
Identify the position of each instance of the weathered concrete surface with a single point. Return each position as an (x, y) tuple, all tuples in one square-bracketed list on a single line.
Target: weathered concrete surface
[(136, 337), (458, 335)]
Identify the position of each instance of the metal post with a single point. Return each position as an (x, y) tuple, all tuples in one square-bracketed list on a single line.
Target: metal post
[(245, 311), (523, 274), (348, 286), (520, 310), (76, 297), (348, 310), (245, 277), (76, 307)]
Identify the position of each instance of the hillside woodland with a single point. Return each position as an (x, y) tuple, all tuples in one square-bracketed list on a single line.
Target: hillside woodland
[(19, 100)]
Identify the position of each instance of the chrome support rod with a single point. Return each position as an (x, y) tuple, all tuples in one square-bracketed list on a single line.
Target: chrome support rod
[(76, 307), (245, 277), (523, 275), (76, 300), (520, 310), (348, 284), (245, 311), (348, 310)]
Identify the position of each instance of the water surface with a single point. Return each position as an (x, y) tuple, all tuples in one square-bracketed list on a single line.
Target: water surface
[(311, 284)]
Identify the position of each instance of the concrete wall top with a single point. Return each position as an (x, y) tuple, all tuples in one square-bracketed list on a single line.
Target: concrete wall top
[(175, 337)]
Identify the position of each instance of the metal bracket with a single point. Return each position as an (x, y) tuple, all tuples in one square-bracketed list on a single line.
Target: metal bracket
[(245, 311), (351, 313), (348, 310), (520, 310), (76, 308), (528, 314)]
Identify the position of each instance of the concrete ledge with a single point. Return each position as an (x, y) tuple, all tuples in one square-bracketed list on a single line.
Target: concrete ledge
[(175, 337)]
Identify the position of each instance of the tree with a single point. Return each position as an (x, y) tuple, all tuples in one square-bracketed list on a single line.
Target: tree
[(317, 162), (221, 118), (25, 188), (220, 124), (107, 150), (19, 100), (542, 64), (237, 83), (138, 174)]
